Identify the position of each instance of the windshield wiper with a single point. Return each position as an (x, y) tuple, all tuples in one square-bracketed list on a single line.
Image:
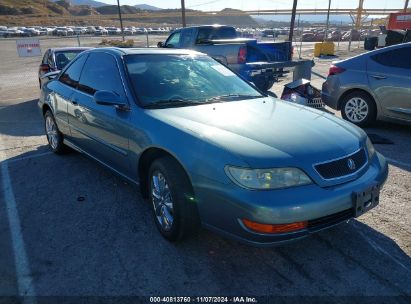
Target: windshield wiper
[(232, 96), (170, 102)]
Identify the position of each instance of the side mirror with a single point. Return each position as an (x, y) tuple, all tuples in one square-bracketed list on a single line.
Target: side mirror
[(108, 98), (160, 44)]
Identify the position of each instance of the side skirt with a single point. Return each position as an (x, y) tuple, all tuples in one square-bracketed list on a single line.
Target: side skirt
[(75, 147)]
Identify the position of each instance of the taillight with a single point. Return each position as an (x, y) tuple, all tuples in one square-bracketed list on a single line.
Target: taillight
[(44, 67), (334, 70), (242, 54)]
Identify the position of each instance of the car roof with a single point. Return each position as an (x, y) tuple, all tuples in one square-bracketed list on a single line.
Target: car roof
[(387, 48), (207, 26), (67, 49), (376, 51), (145, 51)]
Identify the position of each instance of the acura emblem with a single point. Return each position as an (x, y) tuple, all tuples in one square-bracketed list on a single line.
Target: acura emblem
[(351, 164)]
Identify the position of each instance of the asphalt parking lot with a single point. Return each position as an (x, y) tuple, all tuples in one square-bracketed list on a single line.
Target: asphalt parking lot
[(69, 227)]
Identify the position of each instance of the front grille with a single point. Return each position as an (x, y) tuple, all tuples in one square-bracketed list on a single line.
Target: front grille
[(341, 167), (329, 220)]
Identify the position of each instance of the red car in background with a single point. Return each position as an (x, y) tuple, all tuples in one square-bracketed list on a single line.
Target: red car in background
[(56, 59)]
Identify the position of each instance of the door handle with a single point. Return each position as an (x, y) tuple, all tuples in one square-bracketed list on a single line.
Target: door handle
[(379, 77)]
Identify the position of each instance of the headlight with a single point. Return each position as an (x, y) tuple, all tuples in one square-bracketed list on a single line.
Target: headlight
[(370, 148), (267, 178)]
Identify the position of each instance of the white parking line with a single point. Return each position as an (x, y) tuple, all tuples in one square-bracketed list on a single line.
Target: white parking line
[(24, 280)]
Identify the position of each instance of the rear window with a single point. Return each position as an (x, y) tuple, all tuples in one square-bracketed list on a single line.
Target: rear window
[(214, 33), (398, 58), (63, 58)]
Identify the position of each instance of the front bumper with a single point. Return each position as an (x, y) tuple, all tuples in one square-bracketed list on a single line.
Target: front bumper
[(222, 206)]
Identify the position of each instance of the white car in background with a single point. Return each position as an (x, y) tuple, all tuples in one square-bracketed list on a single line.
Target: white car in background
[(80, 30), (101, 31)]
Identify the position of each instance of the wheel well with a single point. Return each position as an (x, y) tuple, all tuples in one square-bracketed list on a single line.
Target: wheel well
[(45, 109), (145, 161), (354, 90)]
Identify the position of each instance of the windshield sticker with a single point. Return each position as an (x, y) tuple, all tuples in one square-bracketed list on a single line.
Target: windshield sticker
[(223, 70)]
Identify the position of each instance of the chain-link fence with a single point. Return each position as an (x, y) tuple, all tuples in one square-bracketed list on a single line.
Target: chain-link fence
[(19, 75)]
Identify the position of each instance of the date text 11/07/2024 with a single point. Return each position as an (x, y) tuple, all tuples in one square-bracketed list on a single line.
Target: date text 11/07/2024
[(238, 299)]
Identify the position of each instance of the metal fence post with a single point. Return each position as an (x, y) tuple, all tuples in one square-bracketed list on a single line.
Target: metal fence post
[(147, 43), (78, 40), (359, 38), (349, 43), (301, 40)]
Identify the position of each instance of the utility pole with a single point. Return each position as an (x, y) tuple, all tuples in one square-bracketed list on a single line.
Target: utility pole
[(406, 6), (328, 20), (359, 14), (121, 20), (290, 37), (183, 13)]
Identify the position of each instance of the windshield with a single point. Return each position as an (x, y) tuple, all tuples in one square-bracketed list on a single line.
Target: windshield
[(178, 80)]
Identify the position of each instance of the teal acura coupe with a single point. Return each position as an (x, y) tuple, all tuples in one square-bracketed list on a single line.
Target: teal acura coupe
[(208, 149)]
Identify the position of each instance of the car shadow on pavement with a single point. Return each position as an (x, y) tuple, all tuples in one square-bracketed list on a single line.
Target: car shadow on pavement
[(20, 119), (88, 232), (399, 143)]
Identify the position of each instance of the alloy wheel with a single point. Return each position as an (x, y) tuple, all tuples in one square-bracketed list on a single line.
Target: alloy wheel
[(162, 201), (356, 109), (51, 131)]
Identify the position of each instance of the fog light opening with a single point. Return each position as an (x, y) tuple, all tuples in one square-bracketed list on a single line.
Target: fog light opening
[(274, 228)]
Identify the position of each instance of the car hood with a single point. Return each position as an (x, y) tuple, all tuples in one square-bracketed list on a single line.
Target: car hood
[(267, 132)]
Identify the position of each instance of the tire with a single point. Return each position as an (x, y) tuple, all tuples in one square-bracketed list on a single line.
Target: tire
[(172, 197), (359, 108), (263, 84), (54, 136)]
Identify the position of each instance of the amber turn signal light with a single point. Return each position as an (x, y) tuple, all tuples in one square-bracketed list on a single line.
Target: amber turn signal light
[(274, 228)]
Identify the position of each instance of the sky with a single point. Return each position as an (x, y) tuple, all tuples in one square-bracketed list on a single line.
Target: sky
[(216, 5)]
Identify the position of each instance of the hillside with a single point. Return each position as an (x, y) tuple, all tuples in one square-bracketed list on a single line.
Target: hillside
[(23, 7), (91, 3), (147, 7), (113, 9), (63, 12)]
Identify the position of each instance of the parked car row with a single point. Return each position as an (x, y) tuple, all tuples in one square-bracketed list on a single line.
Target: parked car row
[(77, 30), (337, 35)]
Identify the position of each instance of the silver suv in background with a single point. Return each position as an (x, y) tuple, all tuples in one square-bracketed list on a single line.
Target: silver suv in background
[(371, 86)]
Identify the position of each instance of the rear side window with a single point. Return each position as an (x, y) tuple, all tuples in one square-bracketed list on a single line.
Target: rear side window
[(398, 58), (100, 73), (44, 61), (50, 59), (71, 75)]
